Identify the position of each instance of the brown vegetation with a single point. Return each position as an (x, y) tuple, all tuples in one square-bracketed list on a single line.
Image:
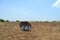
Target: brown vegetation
[(39, 31)]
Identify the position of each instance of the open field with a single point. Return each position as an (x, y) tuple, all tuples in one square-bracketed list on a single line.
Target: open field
[(39, 31)]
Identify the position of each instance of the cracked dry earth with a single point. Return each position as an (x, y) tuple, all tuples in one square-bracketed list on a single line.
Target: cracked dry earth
[(39, 31)]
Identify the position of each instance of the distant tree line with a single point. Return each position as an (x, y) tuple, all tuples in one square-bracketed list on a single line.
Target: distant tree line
[(2, 20)]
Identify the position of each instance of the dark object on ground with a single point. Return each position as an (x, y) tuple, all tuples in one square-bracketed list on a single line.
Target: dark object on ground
[(25, 26)]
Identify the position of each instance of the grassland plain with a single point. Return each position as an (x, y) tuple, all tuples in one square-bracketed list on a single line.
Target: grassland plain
[(39, 31)]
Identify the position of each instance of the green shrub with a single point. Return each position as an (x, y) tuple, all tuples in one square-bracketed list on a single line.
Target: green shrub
[(46, 21), (7, 21), (17, 21), (1, 20)]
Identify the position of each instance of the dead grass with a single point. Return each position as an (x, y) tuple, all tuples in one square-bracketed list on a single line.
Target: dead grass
[(39, 31)]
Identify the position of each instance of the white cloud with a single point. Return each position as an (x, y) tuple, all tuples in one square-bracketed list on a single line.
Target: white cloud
[(57, 4)]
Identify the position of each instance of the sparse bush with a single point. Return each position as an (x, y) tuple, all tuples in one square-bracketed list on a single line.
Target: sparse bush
[(54, 21), (7, 21), (17, 21), (1, 20), (46, 21)]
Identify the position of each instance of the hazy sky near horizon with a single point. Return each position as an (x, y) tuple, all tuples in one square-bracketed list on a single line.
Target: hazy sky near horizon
[(30, 10)]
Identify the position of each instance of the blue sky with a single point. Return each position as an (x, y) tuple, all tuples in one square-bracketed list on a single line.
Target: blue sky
[(30, 10)]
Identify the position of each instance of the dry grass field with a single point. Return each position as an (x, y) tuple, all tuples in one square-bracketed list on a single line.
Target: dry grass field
[(39, 31)]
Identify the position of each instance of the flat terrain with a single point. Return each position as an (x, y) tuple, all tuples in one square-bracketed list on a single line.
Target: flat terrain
[(39, 31)]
